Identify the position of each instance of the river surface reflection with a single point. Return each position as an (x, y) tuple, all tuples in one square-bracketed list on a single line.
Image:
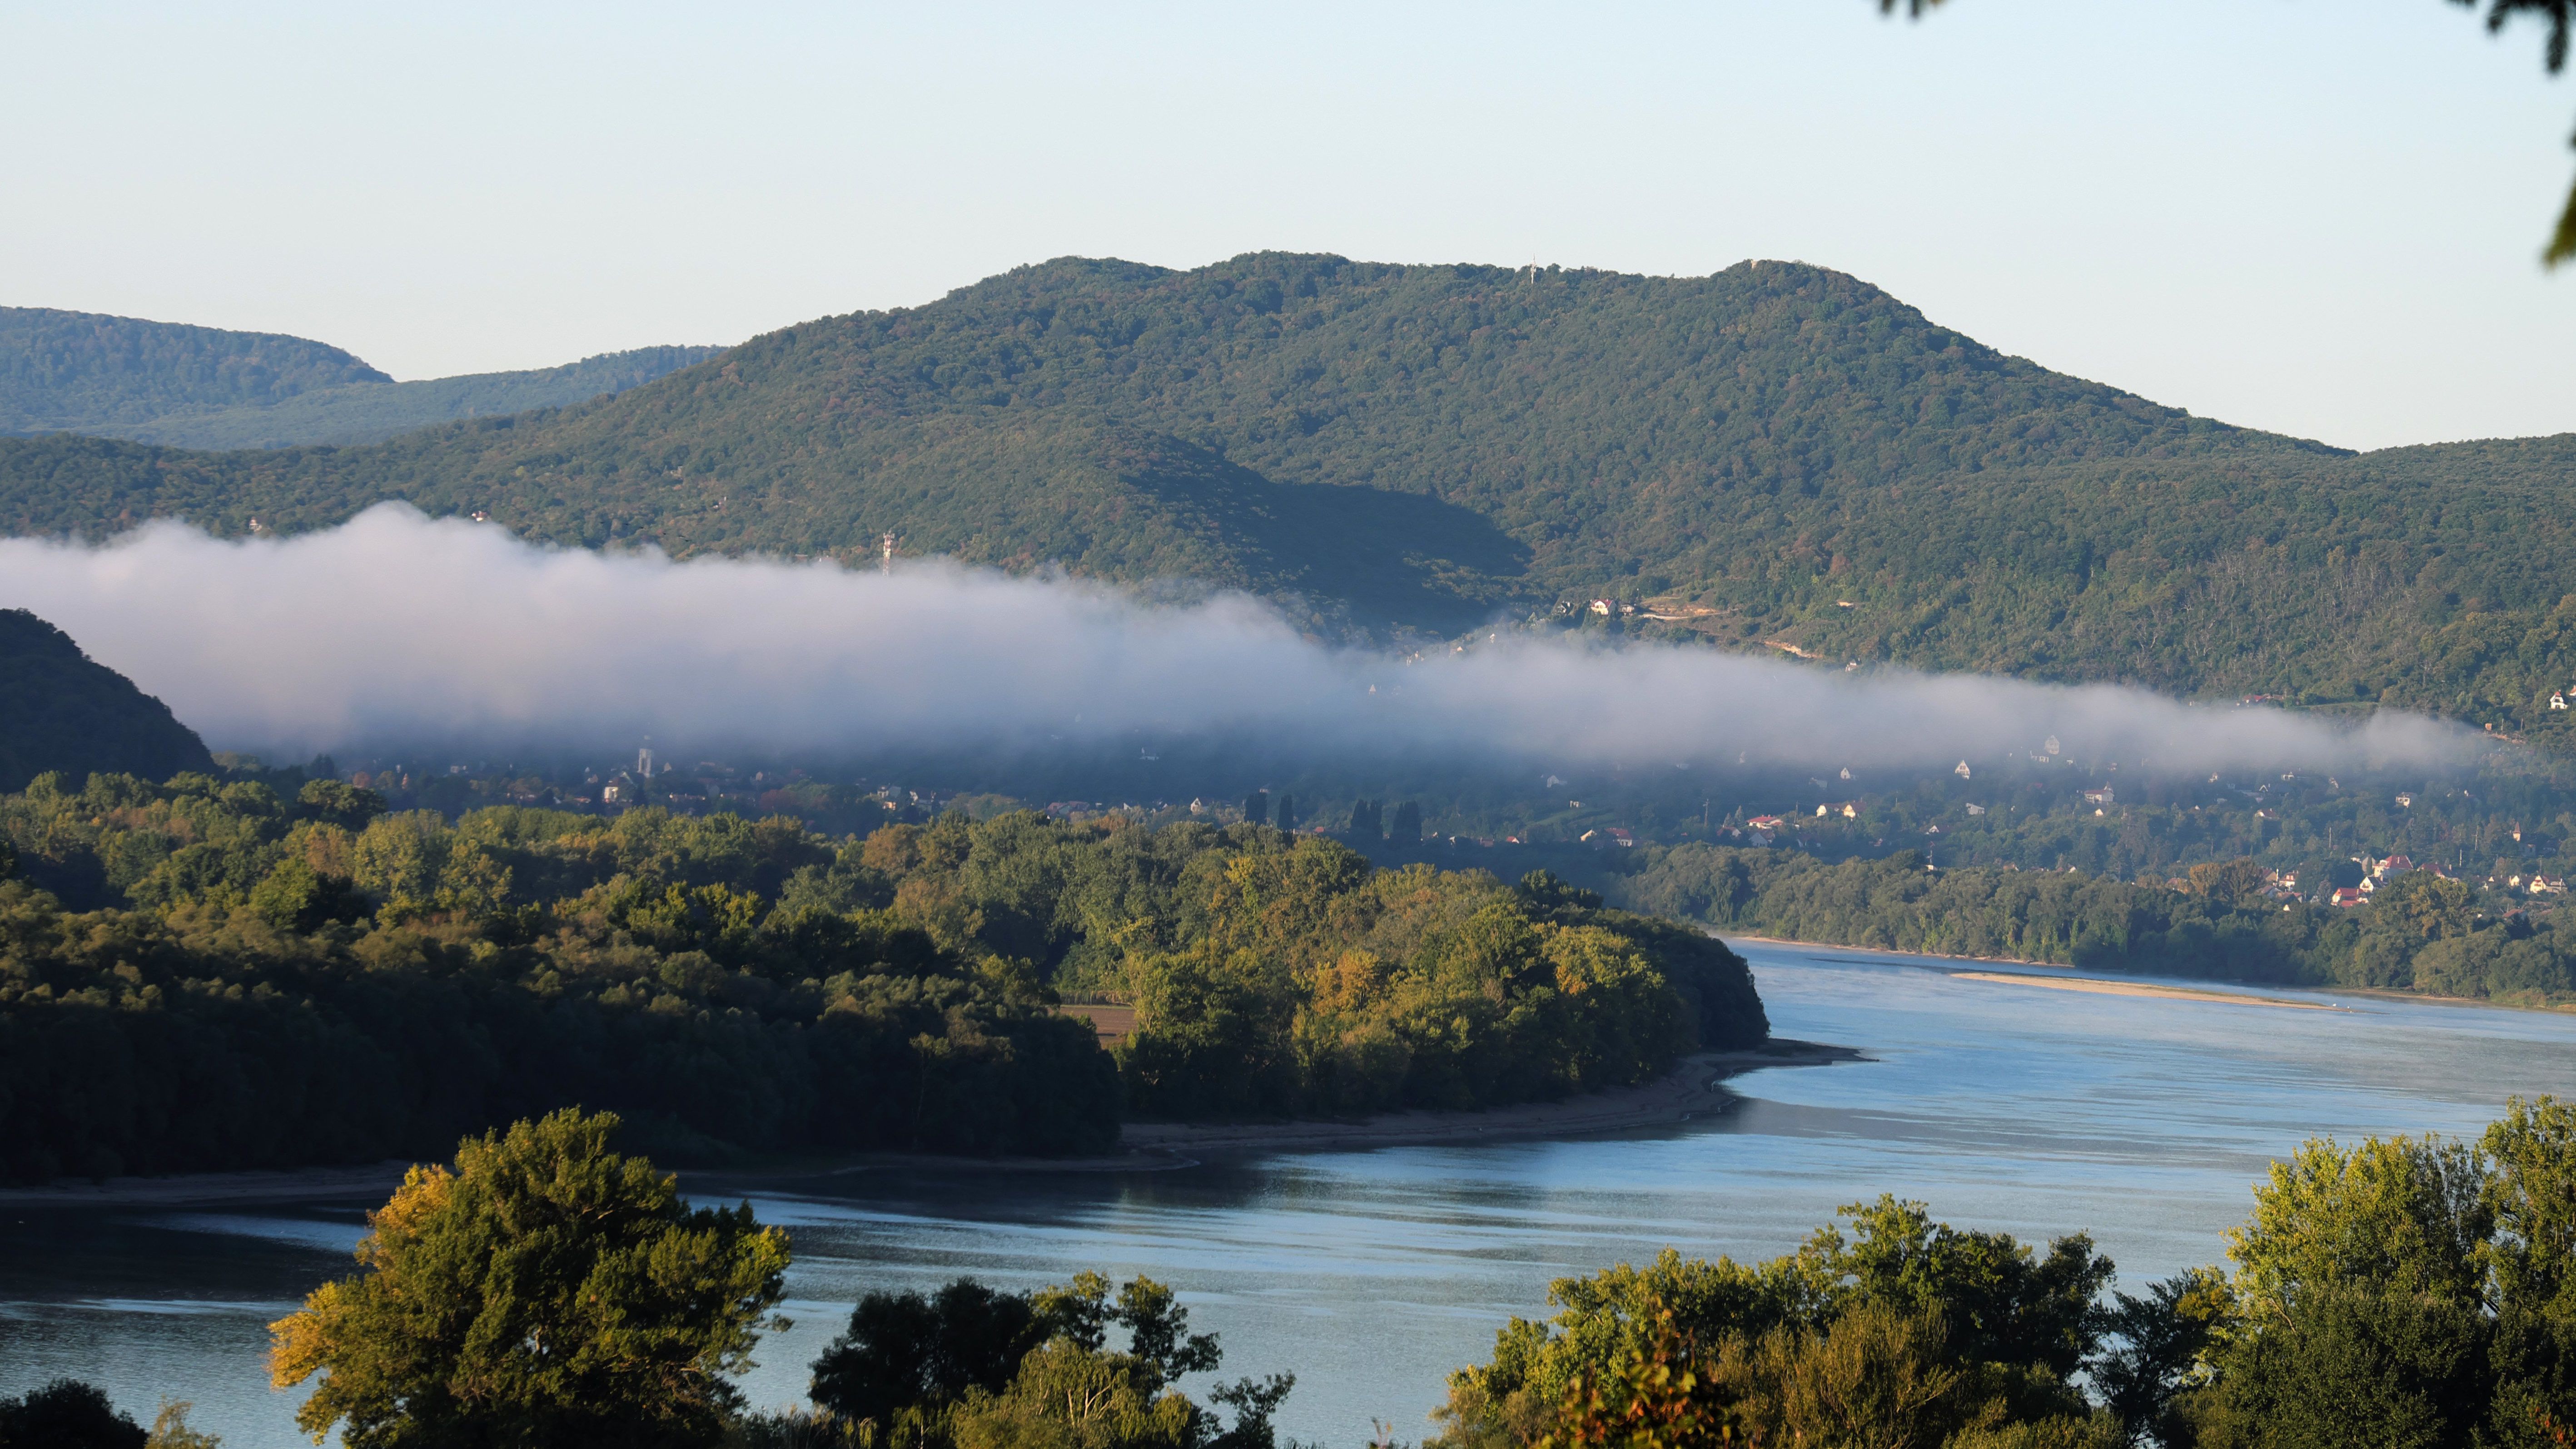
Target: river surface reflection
[(1372, 1273)]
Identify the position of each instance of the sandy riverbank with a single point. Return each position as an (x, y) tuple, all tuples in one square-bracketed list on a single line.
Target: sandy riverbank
[(2126, 988), (2133, 988)]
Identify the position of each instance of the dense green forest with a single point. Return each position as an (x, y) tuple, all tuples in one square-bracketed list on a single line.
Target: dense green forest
[(1775, 452), (201, 387), (59, 710), (266, 971), (370, 412), (82, 370), (2419, 931)]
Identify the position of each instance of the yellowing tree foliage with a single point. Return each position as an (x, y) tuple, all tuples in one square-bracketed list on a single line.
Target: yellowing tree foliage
[(546, 1291)]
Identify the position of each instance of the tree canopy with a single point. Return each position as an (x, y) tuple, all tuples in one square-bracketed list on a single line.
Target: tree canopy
[(968, 1367), (201, 974), (546, 1290), (81, 369), (2401, 1292)]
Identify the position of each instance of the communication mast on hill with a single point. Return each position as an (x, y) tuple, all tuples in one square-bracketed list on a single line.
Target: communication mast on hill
[(888, 544)]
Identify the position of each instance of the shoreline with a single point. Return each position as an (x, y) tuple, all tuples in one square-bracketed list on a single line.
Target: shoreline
[(2100, 986), (1694, 1087), (2375, 993)]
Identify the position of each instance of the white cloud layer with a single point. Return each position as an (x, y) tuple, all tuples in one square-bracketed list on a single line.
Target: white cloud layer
[(396, 630)]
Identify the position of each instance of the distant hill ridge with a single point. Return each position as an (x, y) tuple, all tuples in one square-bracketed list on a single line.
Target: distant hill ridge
[(1778, 455), (62, 370), (60, 710), (373, 412), (203, 387)]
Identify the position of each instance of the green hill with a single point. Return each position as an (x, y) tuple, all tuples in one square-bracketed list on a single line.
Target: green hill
[(62, 370), (200, 387), (1774, 453), (61, 711), (370, 412)]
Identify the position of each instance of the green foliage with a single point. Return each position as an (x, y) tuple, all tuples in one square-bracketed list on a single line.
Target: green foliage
[(258, 982), (545, 1291), (170, 1429), (81, 370), (370, 412), (60, 711), (2403, 1216), (906, 1351), (66, 1414), (1964, 1327), (968, 1368), (2408, 1292), (274, 989), (2419, 931), (1277, 975)]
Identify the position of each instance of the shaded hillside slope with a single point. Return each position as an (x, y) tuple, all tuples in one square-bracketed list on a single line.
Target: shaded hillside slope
[(370, 412), (81, 369), (1776, 452), (61, 711)]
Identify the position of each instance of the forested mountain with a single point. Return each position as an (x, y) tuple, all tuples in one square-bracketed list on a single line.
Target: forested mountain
[(201, 387), (61, 711), (370, 412), (1774, 453), (84, 370)]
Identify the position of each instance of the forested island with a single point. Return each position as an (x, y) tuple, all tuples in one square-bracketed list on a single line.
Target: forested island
[(209, 973)]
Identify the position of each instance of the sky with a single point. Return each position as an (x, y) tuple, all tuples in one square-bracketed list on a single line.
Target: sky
[(2318, 219)]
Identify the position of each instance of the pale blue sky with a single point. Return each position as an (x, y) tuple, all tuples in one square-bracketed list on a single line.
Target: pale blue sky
[(2316, 217)]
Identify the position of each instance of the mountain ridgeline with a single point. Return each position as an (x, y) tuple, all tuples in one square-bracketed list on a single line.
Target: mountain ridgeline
[(370, 412), (60, 710), (81, 370), (202, 387), (1776, 453)]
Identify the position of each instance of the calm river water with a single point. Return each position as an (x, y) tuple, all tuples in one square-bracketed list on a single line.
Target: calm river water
[(1370, 1274)]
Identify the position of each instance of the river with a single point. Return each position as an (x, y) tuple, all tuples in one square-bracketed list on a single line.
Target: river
[(1371, 1273)]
